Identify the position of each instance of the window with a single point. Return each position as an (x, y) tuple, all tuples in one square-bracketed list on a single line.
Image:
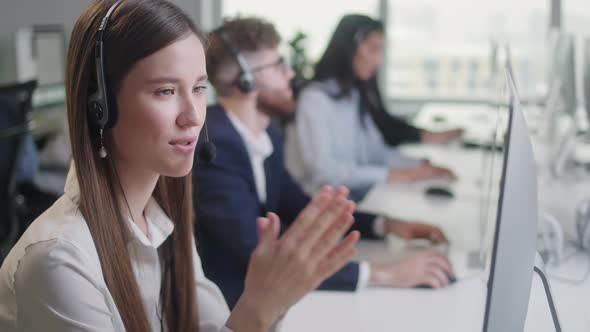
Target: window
[(437, 49), (575, 17), (316, 19), (447, 48)]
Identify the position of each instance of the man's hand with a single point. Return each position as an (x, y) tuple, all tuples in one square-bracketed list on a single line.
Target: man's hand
[(441, 137), (409, 231)]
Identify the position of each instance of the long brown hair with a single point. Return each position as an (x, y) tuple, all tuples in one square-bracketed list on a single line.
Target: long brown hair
[(136, 29)]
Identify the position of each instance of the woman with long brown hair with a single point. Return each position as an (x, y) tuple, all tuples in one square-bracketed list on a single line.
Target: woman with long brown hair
[(116, 251)]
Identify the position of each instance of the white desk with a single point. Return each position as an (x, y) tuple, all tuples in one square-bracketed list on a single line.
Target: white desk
[(479, 121), (461, 306), (457, 308)]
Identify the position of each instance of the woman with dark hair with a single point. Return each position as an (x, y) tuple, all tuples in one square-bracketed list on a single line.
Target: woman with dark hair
[(352, 58), (342, 132), (116, 252)]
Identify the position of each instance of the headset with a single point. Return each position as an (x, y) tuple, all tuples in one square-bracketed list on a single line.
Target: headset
[(246, 82), (102, 110), (100, 113)]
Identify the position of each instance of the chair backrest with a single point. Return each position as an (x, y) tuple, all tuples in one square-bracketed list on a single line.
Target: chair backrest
[(22, 93), (15, 106)]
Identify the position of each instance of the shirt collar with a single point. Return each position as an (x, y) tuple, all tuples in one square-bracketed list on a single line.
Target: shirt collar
[(257, 145), (332, 88), (159, 224), (71, 188)]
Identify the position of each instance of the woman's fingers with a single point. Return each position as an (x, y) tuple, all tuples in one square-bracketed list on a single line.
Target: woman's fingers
[(327, 224), (268, 230), (342, 191), (332, 235), (309, 215), (261, 227), (339, 256), (276, 223), (308, 252)]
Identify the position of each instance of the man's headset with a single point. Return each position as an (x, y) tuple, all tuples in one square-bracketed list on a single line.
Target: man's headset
[(246, 82), (102, 110)]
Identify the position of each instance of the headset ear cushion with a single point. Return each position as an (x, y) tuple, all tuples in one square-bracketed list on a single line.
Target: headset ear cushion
[(246, 83), (96, 111), (101, 116)]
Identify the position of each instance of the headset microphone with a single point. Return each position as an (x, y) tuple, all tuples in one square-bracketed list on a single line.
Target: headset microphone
[(207, 150)]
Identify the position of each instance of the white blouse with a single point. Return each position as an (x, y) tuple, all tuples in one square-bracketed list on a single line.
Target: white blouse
[(52, 279)]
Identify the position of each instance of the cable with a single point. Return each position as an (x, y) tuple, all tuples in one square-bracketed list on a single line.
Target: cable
[(554, 316)]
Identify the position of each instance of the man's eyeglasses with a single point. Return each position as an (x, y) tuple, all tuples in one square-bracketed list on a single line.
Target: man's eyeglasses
[(281, 63)]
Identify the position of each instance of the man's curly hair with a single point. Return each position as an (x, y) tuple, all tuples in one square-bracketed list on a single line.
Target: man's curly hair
[(248, 34)]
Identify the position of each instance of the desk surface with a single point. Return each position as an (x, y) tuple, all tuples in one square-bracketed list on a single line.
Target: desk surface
[(459, 307), (480, 122), (464, 217)]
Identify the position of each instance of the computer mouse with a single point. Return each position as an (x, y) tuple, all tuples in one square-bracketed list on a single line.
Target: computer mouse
[(452, 280), (439, 119), (471, 145), (440, 192)]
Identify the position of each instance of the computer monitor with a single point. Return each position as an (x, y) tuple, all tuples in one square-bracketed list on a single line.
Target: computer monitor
[(562, 74), (492, 161), (513, 252), (586, 83)]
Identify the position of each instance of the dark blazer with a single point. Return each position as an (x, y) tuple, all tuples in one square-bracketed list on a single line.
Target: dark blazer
[(227, 205)]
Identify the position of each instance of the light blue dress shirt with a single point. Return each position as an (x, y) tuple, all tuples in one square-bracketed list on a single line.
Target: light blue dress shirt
[(329, 145)]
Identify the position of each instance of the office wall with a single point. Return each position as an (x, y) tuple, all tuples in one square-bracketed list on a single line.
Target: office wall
[(15, 14), (22, 13)]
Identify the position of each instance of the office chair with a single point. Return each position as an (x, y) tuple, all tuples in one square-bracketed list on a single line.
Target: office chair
[(22, 93), (15, 114), (32, 199), (13, 129)]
